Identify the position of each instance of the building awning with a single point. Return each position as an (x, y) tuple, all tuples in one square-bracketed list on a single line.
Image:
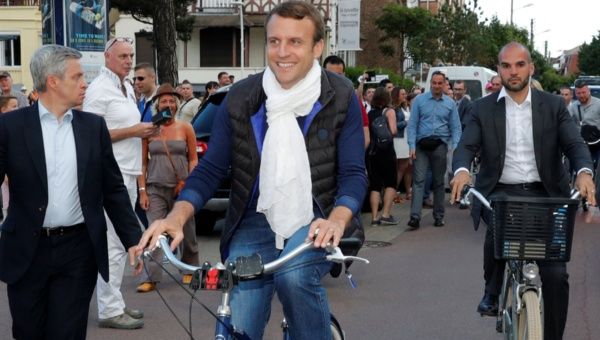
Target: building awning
[(204, 21)]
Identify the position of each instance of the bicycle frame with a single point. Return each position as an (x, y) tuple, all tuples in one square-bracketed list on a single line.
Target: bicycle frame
[(212, 281)]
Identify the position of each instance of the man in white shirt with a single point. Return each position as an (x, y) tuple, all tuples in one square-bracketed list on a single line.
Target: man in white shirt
[(112, 97), (524, 131), (190, 104)]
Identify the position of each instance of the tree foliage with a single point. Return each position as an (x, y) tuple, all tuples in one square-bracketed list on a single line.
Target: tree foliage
[(170, 21), (589, 57), (399, 23)]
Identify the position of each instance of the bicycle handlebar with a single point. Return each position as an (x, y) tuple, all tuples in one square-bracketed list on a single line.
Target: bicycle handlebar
[(335, 255), (470, 190)]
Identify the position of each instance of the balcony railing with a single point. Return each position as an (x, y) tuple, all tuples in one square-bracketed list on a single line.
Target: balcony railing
[(4, 3), (251, 7)]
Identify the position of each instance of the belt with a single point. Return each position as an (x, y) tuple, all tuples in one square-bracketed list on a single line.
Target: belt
[(59, 231), (522, 186)]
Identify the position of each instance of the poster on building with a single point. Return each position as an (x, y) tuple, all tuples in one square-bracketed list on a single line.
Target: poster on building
[(47, 10), (86, 24), (349, 25)]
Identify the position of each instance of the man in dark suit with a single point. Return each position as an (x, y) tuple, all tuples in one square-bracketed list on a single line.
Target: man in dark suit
[(521, 134), (62, 176), (462, 100)]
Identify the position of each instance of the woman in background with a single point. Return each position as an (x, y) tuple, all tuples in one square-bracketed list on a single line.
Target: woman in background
[(381, 161), (400, 104), (167, 160)]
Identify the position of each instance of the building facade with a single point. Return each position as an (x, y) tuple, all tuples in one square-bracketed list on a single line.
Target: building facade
[(20, 36)]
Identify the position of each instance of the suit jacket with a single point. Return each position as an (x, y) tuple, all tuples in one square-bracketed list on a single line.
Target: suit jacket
[(99, 181), (463, 106), (554, 133)]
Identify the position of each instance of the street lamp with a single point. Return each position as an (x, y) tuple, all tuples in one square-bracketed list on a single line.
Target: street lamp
[(240, 4), (511, 9)]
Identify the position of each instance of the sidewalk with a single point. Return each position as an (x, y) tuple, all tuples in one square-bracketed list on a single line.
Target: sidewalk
[(386, 233)]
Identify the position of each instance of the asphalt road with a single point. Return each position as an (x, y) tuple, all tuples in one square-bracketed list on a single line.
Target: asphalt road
[(423, 285)]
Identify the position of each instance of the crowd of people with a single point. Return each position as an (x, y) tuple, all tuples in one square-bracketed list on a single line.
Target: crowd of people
[(304, 148)]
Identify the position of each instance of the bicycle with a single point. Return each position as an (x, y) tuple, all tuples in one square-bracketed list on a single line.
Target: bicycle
[(526, 230), (223, 278)]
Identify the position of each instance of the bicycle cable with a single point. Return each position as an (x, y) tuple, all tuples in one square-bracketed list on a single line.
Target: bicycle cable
[(192, 298)]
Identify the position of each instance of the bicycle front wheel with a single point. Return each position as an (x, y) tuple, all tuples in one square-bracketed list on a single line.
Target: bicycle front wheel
[(336, 329), (530, 321)]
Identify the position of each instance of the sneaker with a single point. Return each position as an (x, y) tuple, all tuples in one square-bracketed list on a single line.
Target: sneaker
[(375, 222), (134, 313), (439, 222), (390, 220), (123, 321)]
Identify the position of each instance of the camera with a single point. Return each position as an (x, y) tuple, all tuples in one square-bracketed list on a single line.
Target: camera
[(162, 117)]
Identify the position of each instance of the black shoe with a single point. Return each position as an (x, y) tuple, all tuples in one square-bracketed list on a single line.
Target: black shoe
[(414, 224), (463, 206), (439, 222), (488, 305)]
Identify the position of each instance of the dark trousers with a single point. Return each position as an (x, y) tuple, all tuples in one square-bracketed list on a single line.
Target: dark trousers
[(52, 299), (555, 279), (436, 160)]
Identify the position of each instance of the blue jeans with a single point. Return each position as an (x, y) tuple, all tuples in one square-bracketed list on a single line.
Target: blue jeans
[(298, 284)]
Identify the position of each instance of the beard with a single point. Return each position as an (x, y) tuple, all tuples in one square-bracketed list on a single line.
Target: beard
[(515, 87)]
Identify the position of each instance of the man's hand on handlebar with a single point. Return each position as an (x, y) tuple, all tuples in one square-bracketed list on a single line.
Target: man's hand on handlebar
[(585, 185), (459, 181), (159, 227), (323, 232)]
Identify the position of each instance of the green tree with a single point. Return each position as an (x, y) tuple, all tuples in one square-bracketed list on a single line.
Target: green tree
[(589, 57), (170, 21), (497, 35), (399, 23)]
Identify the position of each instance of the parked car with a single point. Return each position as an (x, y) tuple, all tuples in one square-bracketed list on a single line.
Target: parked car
[(202, 122)]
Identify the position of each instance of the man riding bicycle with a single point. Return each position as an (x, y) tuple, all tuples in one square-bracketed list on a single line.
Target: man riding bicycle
[(526, 132), (294, 140)]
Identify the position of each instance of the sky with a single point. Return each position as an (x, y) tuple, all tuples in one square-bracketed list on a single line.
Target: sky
[(565, 24)]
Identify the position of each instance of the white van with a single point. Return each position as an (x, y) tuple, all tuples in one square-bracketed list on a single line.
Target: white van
[(475, 78)]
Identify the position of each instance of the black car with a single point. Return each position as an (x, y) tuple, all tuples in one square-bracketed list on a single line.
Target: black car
[(202, 122)]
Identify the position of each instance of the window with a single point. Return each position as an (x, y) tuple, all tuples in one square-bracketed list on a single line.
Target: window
[(10, 49), (220, 46)]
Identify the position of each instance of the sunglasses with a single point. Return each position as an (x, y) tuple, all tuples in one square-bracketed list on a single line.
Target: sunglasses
[(139, 78), (115, 40)]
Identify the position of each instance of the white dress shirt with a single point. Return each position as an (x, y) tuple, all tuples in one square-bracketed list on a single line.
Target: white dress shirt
[(64, 207), (519, 159)]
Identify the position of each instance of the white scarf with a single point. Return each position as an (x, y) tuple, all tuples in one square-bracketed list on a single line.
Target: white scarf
[(285, 182)]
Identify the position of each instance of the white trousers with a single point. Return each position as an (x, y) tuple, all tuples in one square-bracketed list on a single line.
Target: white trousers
[(110, 299)]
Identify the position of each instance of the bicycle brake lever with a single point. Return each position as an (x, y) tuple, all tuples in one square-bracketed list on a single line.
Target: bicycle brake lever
[(338, 257)]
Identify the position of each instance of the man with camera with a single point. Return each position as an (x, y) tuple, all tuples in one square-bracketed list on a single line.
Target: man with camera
[(112, 98)]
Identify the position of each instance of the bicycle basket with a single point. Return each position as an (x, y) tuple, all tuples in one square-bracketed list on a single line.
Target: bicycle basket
[(533, 228)]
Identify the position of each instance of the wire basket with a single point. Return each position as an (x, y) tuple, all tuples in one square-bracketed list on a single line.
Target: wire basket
[(533, 228)]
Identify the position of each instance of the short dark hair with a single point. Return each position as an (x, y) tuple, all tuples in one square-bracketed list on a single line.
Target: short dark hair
[(299, 10), (384, 82), (334, 60), (438, 73), (210, 85), (144, 66), (381, 98), (222, 73), (579, 83)]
